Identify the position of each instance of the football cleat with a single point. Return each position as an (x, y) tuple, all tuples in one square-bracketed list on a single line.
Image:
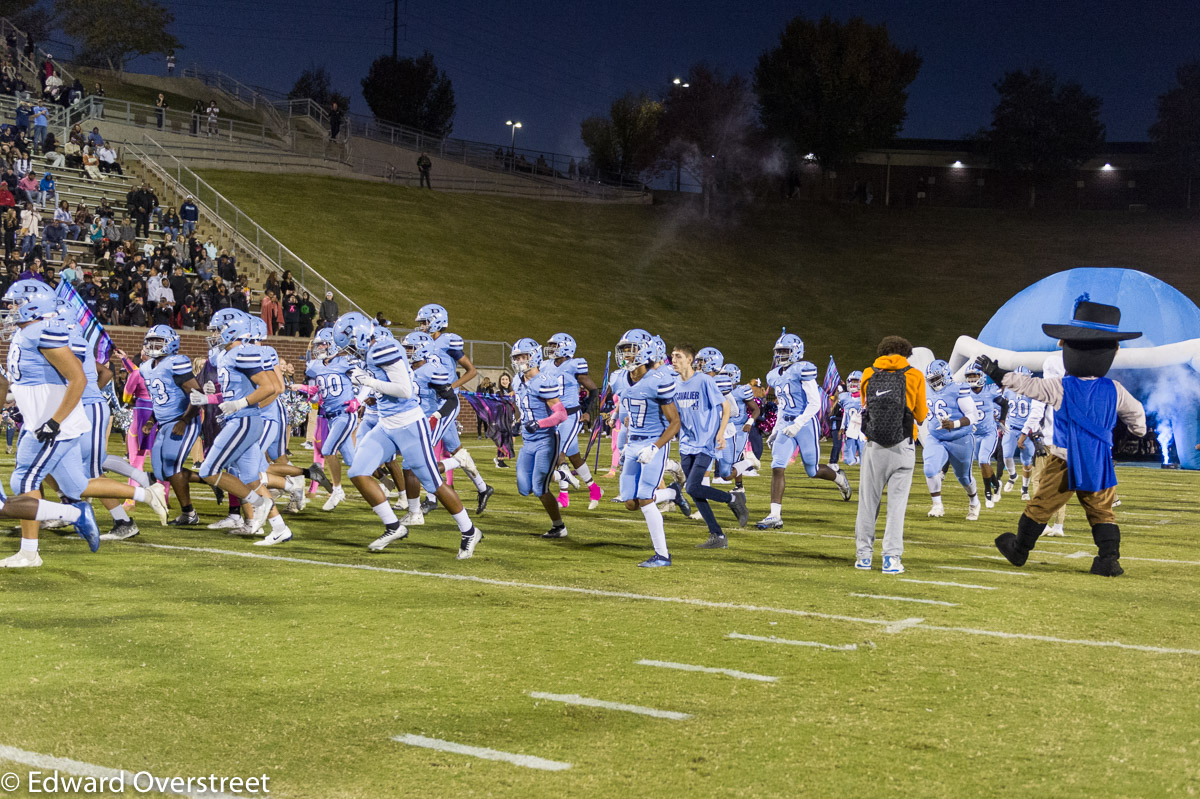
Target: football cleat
[(185, 520), (1010, 485), (156, 498), (564, 474), (500, 464), (892, 565), (991, 503), (297, 499), (232, 520), (564, 499), (275, 537), (317, 475), (655, 562), (937, 511), (398, 534), (715, 541), (738, 506), (595, 494), (258, 516), (335, 498), (557, 531), (85, 525), (121, 530), (680, 500), (466, 547), (1024, 494), (770, 523), (21, 560), (413, 519), (428, 506), (973, 511), (484, 496), (843, 484)]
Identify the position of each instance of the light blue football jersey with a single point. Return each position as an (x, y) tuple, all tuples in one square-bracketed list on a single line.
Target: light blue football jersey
[(789, 388), (384, 354), (643, 402), (533, 398), (428, 375), (1018, 410), (332, 379), (985, 399), (235, 368), (86, 353), (944, 405), (570, 369), (449, 348), (163, 377), (699, 403), (740, 396), (27, 366)]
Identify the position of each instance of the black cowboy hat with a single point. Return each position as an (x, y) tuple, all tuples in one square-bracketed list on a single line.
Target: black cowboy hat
[(1093, 322)]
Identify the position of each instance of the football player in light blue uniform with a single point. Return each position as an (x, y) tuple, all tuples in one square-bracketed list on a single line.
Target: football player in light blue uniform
[(652, 420), (281, 475), (402, 430), (169, 380), (950, 436), (735, 460), (329, 374), (986, 395), (703, 416), (47, 380), (539, 395), (794, 381), (559, 355), (233, 461), (850, 401), (1024, 416)]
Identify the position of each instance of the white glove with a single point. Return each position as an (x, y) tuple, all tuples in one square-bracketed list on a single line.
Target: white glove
[(198, 397), (647, 455), (435, 416), (730, 430), (774, 434), (792, 429), (209, 387), (232, 406)]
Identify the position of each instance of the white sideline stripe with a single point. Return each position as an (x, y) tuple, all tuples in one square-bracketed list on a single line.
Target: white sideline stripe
[(889, 626), (950, 585), (770, 639), (741, 675), (528, 761), (985, 571), (576, 699), (907, 599), (81, 769)]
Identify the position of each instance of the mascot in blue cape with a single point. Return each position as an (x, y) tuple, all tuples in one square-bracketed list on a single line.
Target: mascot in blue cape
[(1086, 406)]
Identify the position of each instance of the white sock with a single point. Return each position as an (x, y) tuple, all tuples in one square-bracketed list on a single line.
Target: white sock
[(277, 523), (664, 494), (29, 545), (934, 483), (255, 499), (402, 501), (119, 514), (937, 501), (139, 494), (563, 485), (451, 463), (477, 480), (1024, 481), (973, 492), (1011, 465), (463, 521), (414, 506), (55, 510), (118, 465), (584, 474), (777, 509), (654, 521), (385, 513)]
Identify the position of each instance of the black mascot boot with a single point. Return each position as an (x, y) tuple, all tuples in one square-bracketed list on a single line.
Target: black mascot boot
[(1016, 548), (1107, 562)]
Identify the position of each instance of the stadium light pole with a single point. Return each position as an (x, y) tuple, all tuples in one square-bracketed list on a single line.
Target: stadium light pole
[(679, 162), (512, 142)]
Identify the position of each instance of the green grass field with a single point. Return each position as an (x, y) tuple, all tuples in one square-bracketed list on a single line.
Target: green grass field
[(841, 278), (189, 652)]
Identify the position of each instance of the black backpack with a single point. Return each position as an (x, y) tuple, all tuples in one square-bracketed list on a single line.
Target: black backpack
[(887, 419)]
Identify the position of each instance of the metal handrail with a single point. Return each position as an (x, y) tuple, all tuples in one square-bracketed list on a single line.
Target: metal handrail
[(6, 25), (247, 95), (194, 124)]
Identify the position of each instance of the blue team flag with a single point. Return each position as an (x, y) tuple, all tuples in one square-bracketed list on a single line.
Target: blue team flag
[(93, 331), (829, 390)]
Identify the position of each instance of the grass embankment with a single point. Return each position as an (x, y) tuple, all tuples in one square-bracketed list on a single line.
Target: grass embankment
[(840, 278)]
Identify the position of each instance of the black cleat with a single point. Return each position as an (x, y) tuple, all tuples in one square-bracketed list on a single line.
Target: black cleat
[(557, 531), (121, 530), (185, 520), (484, 496), (429, 506), (315, 472), (715, 541), (738, 506), (680, 500), (219, 494)]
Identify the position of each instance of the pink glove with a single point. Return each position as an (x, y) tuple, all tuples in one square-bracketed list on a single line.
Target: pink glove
[(352, 406)]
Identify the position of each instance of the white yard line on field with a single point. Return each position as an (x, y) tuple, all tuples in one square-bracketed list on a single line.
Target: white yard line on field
[(140, 782), (985, 571), (528, 761), (889, 626), (770, 639), (906, 599), (576, 699), (948, 585), (740, 675)]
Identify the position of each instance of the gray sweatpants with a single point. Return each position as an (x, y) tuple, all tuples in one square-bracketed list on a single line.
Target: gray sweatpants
[(893, 467)]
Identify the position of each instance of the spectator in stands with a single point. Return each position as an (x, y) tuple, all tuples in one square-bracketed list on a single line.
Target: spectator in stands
[(189, 215), (158, 290), (212, 113), (272, 313), (34, 270), (105, 210), (41, 121), (91, 165), (160, 109), (308, 312), (423, 166), (210, 250), (108, 160), (382, 321), (30, 228), (286, 283), (197, 115), (180, 285), (171, 224), (98, 99), (12, 224), (272, 284), (21, 165), (70, 271), (329, 310), (96, 236), (63, 214), (186, 316), (204, 268), (220, 297), (335, 121), (137, 202), (27, 190), (47, 191), (239, 295), (135, 311), (10, 179), (95, 139), (54, 86), (164, 313), (76, 93), (289, 313), (22, 116), (54, 237), (50, 149), (6, 198), (226, 268)]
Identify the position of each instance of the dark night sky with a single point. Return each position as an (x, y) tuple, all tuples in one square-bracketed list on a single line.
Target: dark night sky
[(550, 63)]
